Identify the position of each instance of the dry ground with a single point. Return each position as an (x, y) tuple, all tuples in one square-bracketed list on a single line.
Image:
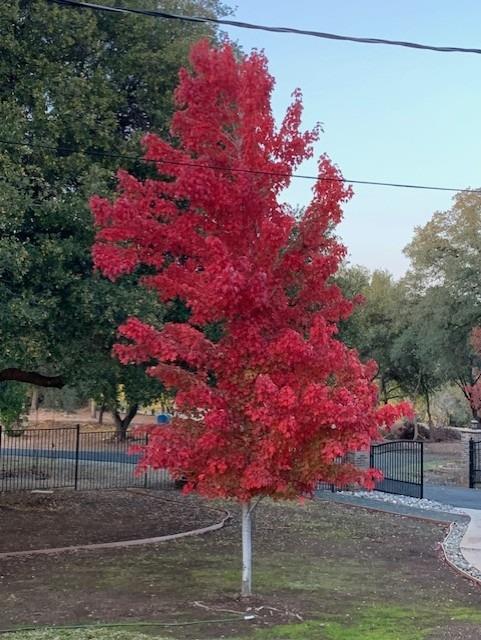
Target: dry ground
[(443, 463), (322, 572), (66, 518)]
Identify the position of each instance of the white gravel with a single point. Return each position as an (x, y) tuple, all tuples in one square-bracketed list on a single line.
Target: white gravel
[(451, 546), (406, 501)]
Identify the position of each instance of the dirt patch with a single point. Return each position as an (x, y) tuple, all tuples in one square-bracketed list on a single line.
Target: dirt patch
[(38, 520), (322, 571), (53, 419), (443, 463)]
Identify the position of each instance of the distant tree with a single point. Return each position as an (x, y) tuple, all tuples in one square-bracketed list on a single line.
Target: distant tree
[(375, 323), (444, 275), (268, 397), (385, 326), (353, 280), (74, 84)]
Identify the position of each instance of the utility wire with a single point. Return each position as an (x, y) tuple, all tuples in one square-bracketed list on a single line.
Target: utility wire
[(103, 154), (259, 27)]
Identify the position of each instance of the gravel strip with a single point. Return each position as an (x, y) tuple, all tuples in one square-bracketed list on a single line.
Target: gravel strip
[(451, 546), (406, 501)]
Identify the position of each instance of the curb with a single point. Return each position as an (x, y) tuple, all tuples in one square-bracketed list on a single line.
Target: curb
[(454, 566)]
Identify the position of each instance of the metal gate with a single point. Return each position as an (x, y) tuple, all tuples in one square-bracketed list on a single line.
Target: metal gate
[(474, 464), (401, 463)]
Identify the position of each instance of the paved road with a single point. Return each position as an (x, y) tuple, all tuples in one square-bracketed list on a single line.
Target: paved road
[(388, 507), (457, 496), (66, 454)]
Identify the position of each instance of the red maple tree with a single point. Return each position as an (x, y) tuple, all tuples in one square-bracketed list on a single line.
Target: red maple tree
[(268, 398)]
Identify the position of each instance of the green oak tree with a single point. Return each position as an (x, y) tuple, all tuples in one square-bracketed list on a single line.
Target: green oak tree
[(77, 88), (444, 275), (374, 325), (385, 326)]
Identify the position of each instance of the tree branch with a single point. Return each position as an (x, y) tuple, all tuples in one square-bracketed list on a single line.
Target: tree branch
[(32, 377)]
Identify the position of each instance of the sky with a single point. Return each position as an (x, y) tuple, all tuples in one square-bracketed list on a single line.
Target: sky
[(389, 114)]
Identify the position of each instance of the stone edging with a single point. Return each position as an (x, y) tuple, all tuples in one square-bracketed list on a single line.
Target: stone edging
[(454, 556)]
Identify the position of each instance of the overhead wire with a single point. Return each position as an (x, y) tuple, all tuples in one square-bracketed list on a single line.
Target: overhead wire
[(248, 25), (300, 176)]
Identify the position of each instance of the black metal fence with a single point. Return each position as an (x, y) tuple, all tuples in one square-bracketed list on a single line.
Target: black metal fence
[(70, 458), (474, 464), (401, 463)]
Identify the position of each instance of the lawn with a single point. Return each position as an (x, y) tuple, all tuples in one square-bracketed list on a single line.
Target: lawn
[(323, 571)]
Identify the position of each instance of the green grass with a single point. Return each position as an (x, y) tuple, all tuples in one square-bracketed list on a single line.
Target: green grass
[(378, 622)]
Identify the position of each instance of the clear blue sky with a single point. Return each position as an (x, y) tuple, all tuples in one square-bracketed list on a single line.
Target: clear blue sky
[(389, 113)]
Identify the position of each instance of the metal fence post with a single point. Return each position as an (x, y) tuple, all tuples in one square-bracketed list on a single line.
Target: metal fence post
[(422, 469), (77, 447), (471, 464), (146, 470)]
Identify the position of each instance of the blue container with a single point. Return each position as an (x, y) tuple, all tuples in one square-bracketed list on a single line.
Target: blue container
[(163, 418)]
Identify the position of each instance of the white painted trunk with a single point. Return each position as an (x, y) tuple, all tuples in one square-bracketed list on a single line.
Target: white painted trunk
[(93, 409), (246, 549)]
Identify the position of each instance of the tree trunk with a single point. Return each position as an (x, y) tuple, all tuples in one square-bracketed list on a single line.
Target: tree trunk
[(93, 409), (102, 408), (246, 550), (416, 430), (384, 391), (428, 408), (34, 400), (122, 424)]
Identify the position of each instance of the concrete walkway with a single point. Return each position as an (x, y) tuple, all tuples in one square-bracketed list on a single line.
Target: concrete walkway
[(470, 501), (456, 496), (471, 543)]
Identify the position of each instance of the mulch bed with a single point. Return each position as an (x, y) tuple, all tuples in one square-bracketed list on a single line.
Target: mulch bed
[(65, 518)]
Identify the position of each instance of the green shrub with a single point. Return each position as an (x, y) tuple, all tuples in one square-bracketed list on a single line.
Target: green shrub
[(13, 402)]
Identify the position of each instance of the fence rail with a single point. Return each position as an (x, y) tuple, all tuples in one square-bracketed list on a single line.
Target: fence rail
[(401, 463), (474, 464), (69, 458)]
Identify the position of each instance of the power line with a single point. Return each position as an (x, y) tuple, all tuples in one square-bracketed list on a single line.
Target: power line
[(299, 176), (248, 25)]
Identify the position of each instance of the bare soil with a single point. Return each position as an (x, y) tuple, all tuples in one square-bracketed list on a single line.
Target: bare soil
[(50, 520), (53, 419), (443, 463), (322, 571)]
